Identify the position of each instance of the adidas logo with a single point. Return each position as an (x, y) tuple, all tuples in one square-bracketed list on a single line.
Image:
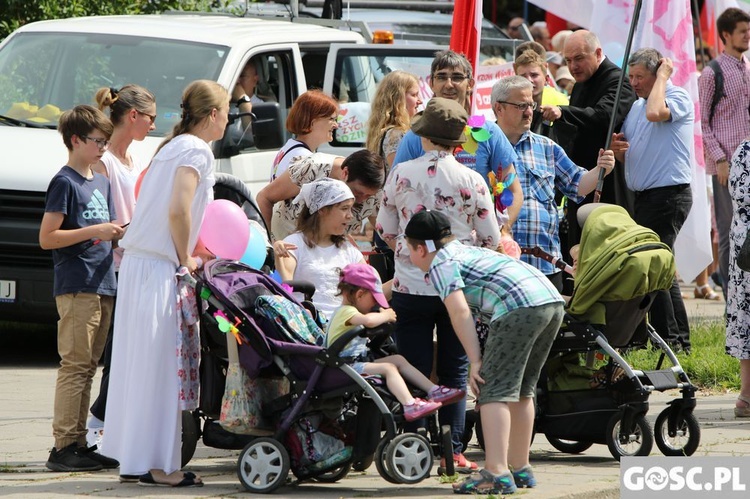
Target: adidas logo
[(97, 209)]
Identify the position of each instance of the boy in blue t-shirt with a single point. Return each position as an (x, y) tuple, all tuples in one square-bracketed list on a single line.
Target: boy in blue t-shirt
[(524, 311), (77, 228)]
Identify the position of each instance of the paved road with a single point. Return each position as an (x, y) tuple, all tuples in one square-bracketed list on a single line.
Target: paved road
[(27, 377)]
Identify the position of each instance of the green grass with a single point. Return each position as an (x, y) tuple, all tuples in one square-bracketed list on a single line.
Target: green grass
[(708, 367)]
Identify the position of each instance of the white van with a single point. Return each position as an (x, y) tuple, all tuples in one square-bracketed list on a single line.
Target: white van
[(50, 66)]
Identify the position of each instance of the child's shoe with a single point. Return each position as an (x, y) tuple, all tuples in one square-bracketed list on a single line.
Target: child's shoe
[(446, 395), (460, 464), (420, 408), (485, 482), (524, 478)]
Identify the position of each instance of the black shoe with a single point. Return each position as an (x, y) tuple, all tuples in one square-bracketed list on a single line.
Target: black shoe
[(107, 462), (71, 459)]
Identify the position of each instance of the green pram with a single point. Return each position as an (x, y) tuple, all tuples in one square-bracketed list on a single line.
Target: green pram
[(581, 400)]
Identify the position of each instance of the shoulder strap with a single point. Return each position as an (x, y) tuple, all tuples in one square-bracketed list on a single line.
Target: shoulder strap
[(718, 87), (295, 146)]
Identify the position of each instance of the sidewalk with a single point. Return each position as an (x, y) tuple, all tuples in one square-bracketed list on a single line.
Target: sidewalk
[(25, 437)]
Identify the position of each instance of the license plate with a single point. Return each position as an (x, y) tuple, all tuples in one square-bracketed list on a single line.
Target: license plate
[(7, 291)]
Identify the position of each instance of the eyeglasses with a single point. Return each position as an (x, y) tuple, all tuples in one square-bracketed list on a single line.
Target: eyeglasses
[(152, 117), (455, 77), (521, 106), (100, 143)]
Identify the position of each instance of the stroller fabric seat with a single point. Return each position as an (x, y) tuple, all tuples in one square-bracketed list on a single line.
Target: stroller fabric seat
[(619, 260)]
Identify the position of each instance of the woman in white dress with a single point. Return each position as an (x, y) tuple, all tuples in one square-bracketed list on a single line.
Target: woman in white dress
[(132, 110), (143, 424)]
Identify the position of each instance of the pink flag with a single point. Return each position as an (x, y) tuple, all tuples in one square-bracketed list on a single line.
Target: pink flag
[(667, 26)]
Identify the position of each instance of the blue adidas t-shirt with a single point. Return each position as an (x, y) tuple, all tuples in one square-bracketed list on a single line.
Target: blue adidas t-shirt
[(84, 267)]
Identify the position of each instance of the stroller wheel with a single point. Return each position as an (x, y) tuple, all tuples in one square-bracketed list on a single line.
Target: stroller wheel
[(568, 446), (684, 439), (409, 458), (637, 442), (380, 462), (364, 463), (190, 435), (263, 465), (333, 476)]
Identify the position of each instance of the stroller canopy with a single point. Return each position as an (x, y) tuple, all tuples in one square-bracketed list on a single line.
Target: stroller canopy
[(618, 260)]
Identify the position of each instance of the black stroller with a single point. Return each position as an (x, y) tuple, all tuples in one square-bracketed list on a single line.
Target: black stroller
[(581, 400)]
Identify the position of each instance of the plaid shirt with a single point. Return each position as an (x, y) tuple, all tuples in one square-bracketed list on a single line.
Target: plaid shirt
[(543, 165), (731, 123), (493, 284)]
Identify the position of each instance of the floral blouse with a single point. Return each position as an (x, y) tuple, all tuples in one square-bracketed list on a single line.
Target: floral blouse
[(435, 181), (304, 170)]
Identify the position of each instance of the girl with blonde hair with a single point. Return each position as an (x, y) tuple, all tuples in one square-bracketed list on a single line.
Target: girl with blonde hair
[(152, 377), (395, 103)]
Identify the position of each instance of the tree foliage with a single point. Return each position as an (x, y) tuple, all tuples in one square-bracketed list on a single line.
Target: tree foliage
[(16, 13)]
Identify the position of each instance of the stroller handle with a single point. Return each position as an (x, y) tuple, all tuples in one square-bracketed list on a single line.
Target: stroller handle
[(540, 253)]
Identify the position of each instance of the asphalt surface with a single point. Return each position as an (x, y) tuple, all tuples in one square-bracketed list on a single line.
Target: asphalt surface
[(27, 381)]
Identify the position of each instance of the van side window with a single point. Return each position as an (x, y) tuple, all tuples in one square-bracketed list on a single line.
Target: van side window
[(267, 78)]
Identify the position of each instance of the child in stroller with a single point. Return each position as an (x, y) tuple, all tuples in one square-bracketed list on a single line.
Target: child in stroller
[(328, 402), (362, 292)]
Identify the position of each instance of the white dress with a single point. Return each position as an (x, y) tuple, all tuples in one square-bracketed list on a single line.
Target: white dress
[(143, 424)]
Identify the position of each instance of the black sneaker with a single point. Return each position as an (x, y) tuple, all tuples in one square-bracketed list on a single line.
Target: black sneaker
[(71, 459), (107, 462)]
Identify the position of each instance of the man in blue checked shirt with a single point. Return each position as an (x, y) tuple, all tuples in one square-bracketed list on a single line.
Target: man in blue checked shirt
[(542, 165)]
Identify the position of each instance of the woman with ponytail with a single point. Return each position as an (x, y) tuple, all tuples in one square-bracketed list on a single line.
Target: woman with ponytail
[(132, 110), (153, 376)]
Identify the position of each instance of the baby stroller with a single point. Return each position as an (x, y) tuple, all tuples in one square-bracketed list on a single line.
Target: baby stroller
[(580, 401), (325, 417)]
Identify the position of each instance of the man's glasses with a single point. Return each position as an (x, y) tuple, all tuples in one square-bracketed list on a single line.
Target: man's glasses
[(100, 143), (455, 77), (521, 106), (152, 117)]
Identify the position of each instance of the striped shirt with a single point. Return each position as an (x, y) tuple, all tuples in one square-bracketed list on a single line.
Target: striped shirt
[(493, 284), (543, 165), (731, 123)]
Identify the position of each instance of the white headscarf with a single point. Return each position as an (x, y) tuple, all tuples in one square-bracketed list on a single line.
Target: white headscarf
[(323, 192)]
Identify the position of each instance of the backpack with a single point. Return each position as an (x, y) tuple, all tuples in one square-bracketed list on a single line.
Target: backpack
[(718, 87)]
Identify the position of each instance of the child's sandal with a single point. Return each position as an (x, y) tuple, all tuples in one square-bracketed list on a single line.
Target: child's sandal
[(485, 482)]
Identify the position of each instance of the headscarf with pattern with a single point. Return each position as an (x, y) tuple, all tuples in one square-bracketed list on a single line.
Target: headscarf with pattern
[(323, 192)]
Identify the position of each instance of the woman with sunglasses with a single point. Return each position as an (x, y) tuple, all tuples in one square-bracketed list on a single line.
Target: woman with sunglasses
[(132, 110)]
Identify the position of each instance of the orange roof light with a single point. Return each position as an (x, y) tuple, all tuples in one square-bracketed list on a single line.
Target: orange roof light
[(382, 36)]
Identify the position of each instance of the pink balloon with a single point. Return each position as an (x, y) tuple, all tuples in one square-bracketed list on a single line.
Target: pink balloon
[(225, 231)]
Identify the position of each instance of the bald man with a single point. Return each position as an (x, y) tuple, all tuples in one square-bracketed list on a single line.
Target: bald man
[(592, 103)]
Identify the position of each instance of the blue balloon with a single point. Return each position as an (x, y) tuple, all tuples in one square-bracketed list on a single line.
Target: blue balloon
[(275, 276), (255, 252)]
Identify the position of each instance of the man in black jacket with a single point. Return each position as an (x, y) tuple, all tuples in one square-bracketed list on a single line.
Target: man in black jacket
[(591, 105)]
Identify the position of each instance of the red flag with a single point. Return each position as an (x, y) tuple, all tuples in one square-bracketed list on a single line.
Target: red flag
[(467, 29)]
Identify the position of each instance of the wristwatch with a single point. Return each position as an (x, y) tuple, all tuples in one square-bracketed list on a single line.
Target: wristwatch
[(243, 100)]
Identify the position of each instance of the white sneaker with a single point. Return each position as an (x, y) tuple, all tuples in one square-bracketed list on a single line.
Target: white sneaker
[(95, 437)]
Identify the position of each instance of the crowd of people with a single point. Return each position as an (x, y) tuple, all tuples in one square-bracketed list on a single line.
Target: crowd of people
[(433, 203)]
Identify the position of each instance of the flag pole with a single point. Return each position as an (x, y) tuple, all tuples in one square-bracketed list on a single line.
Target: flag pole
[(611, 129)]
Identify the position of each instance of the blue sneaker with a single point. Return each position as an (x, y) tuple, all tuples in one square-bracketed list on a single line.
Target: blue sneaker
[(485, 482), (524, 478)]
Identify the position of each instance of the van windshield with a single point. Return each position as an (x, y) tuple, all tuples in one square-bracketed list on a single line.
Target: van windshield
[(43, 74)]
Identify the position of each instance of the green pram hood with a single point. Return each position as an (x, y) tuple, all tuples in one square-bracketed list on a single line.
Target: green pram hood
[(618, 260)]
